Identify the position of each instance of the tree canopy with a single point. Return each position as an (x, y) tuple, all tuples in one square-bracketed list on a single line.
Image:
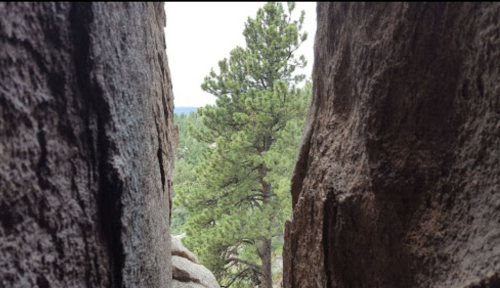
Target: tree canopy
[(188, 154), (240, 197)]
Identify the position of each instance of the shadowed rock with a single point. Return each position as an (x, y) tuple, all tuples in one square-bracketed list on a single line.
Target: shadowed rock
[(86, 145), (397, 178)]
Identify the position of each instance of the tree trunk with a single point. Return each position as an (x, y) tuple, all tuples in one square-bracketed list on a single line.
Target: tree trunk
[(86, 145), (264, 253)]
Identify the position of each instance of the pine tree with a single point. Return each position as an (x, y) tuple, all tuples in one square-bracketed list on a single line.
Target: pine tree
[(187, 155), (241, 198)]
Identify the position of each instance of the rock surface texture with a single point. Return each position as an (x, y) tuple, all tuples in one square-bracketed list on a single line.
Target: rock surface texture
[(187, 272), (86, 145), (179, 250), (397, 181)]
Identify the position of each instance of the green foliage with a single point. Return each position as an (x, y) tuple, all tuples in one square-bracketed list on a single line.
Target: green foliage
[(183, 172), (240, 197), (188, 154), (179, 217), (188, 148)]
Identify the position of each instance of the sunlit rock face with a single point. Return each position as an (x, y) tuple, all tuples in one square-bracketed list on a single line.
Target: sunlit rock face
[(86, 145), (187, 272), (397, 182)]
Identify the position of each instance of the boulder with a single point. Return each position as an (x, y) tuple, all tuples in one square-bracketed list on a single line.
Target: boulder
[(184, 270), (179, 250), (179, 284)]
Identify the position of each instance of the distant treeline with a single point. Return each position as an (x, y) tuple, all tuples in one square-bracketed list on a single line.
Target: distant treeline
[(185, 110)]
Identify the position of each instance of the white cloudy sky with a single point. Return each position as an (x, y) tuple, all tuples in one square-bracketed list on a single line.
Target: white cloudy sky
[(199, 35)]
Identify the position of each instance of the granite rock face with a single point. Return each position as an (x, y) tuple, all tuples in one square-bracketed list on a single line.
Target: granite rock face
[(397, 180), (86, 145)]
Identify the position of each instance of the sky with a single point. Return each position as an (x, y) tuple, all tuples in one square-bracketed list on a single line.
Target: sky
[(199, 35)]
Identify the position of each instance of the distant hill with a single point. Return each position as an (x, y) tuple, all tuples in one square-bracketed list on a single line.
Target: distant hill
[(185, 110)]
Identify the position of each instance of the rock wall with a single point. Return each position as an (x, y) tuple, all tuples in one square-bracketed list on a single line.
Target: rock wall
[(397, 178), (86, 145)]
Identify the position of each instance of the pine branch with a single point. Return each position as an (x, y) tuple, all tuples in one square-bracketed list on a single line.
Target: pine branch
[(236, 260), (239, 275)]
